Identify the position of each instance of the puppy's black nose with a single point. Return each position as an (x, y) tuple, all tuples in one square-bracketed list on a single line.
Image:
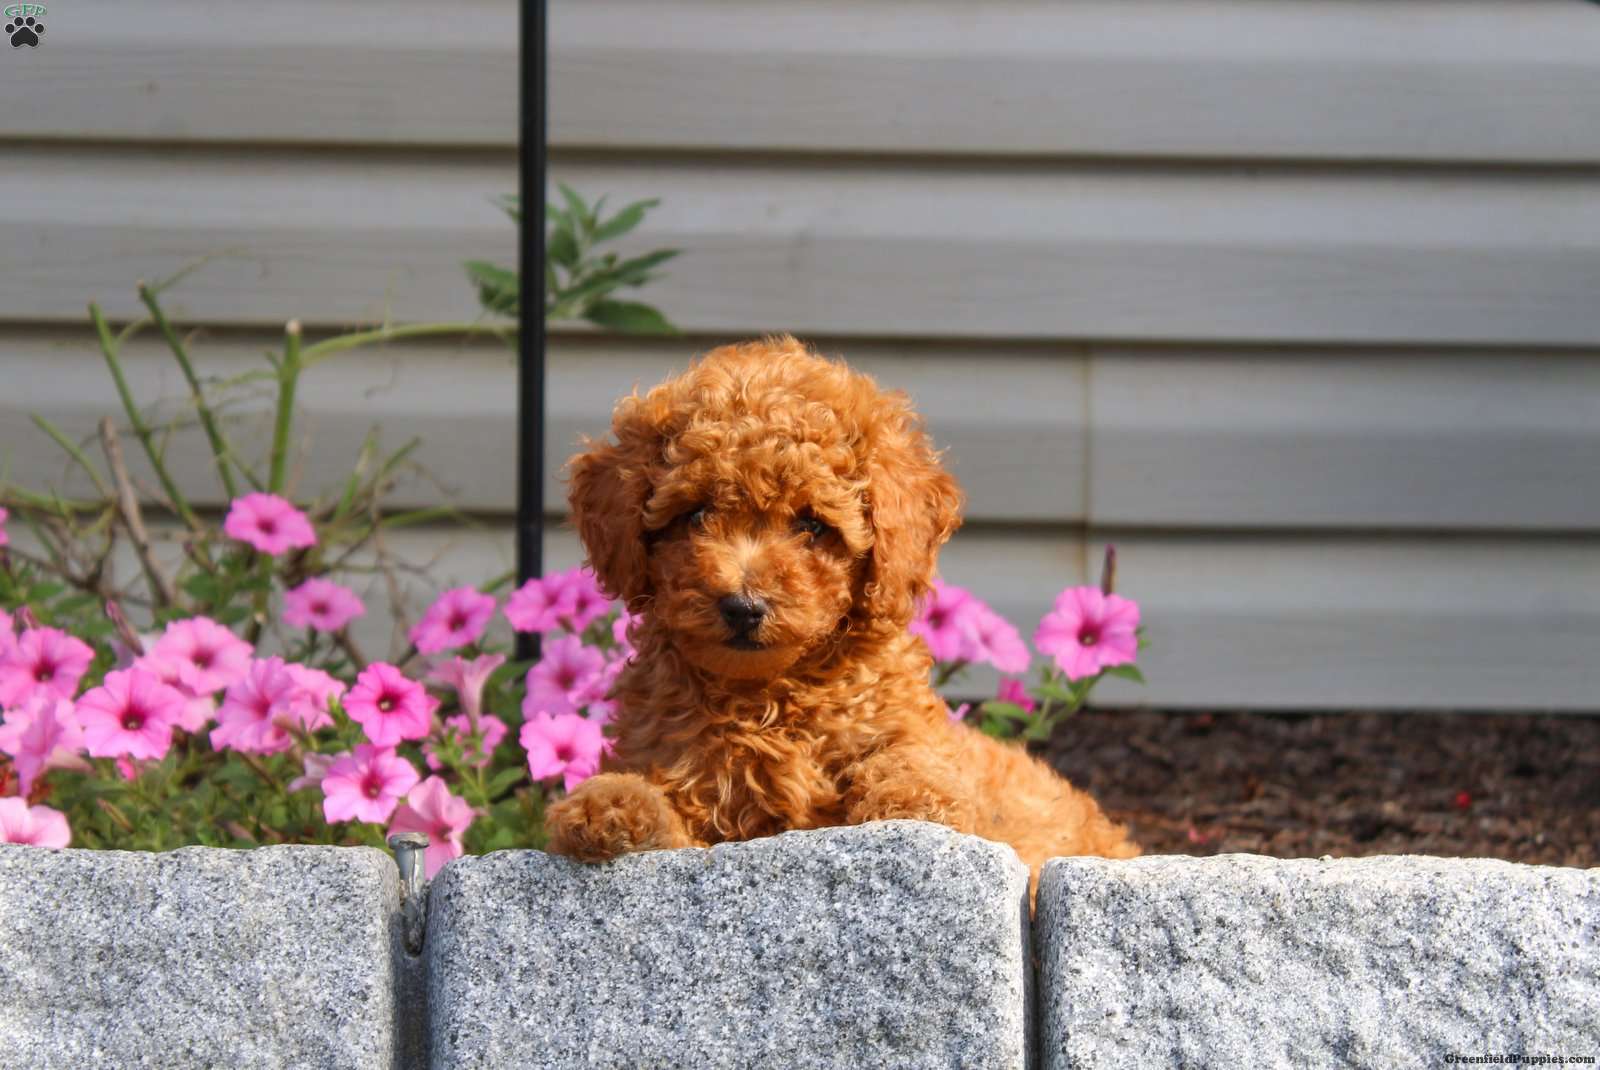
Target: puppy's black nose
[(743, 612)]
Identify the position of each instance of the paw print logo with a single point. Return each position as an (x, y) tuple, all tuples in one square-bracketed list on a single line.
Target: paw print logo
[(25, 31)]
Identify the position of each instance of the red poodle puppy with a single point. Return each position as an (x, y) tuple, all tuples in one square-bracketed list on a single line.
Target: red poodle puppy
[(774, 517)]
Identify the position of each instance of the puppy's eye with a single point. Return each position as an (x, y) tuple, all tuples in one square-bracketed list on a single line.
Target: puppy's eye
[(697, 517), (811, 526)]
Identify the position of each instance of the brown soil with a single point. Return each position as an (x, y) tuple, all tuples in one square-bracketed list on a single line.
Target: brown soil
[(1519, 787)]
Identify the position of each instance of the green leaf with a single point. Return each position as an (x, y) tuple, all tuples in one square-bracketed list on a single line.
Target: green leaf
[(629, 317), (499, 289), (1055, 690), (1126, 672), (561, 246), (579, 211), (501, 781), (1008, 710), (624, 221)]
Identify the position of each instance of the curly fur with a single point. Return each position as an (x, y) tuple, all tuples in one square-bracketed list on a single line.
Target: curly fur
[(707, 491)]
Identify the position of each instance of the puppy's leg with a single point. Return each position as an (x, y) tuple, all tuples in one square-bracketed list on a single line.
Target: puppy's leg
[(612, 814), (909, 781)]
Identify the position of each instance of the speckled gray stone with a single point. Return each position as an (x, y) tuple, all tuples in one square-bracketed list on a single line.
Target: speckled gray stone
[(280, 957), (897, 944), (1380, 962)]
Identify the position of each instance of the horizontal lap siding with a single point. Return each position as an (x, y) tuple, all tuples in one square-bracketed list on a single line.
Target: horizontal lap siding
[(1294, 300)]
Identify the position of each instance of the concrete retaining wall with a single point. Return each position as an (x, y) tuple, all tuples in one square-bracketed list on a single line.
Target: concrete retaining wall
[(892, 945)]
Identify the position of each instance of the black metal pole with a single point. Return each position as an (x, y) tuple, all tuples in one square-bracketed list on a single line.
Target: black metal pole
[(530, 362)]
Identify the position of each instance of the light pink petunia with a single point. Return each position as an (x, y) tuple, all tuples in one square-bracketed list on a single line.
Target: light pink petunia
[(314, 693), (564, 677), (39, 826), (43, 659), (197, 709), (542, 603), (468, 678), (459, 727), (316, 767), (389, 707), (620, 629), (366, 785), (431, 809), (269, 524), (941, 621), (321, 604), (959, 713), (594, 697), (993, 640), (455, 619), (589, 603), (42, 734), (1088, 631), (260, 713), (132, 713), (1014, 692), (209, 656), (565, 745)]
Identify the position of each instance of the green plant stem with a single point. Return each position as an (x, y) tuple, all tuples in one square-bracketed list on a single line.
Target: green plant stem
[(288, 380), (320, 352), (108, 349), (73, 451), (219, 448)]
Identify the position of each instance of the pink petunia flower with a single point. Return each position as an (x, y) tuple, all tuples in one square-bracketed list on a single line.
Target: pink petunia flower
[(542, 603), (269, 524), (5, 540), (468, 678), (564, 745), (594, 697), (620, 629), (455, 619), (993, 640), (459, 727), (209, 657), (126, 769), (316, 768), (132, 713), (321, 604), (430, 808), (1014, 692), (38, 826), (366, 785), (959, 714), (43, 659), (941, 621), (197, 709), (564, 678), (42, 734), (1087, 631), (258, 711), (588, 602), (389, 707)]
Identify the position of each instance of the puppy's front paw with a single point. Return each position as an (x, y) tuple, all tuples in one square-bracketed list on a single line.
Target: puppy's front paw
[(610, 815)]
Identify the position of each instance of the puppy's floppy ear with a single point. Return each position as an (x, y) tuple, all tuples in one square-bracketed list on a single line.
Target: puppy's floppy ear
[(914, 505), (610, 485)]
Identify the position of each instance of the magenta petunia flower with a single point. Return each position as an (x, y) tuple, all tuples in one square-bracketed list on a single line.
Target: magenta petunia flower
[(1014, 692), (389, 707), (459, 728), (430, 808), (564, 678), (941, 621), (542, 603), (132, 713), (366, 785), (316, 767), (1087, 631), (321, 604), (468, 678), (38, 826), (455, 619), (589, 603), (5, 540), (253, 716), (564, 745), (620, 629), (42, 734), (269, 524), (594, 697), (993, 640), (208, 656), (43, 659)]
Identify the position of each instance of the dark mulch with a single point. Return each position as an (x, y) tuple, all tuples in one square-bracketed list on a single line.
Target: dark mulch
[(1522, 788)]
